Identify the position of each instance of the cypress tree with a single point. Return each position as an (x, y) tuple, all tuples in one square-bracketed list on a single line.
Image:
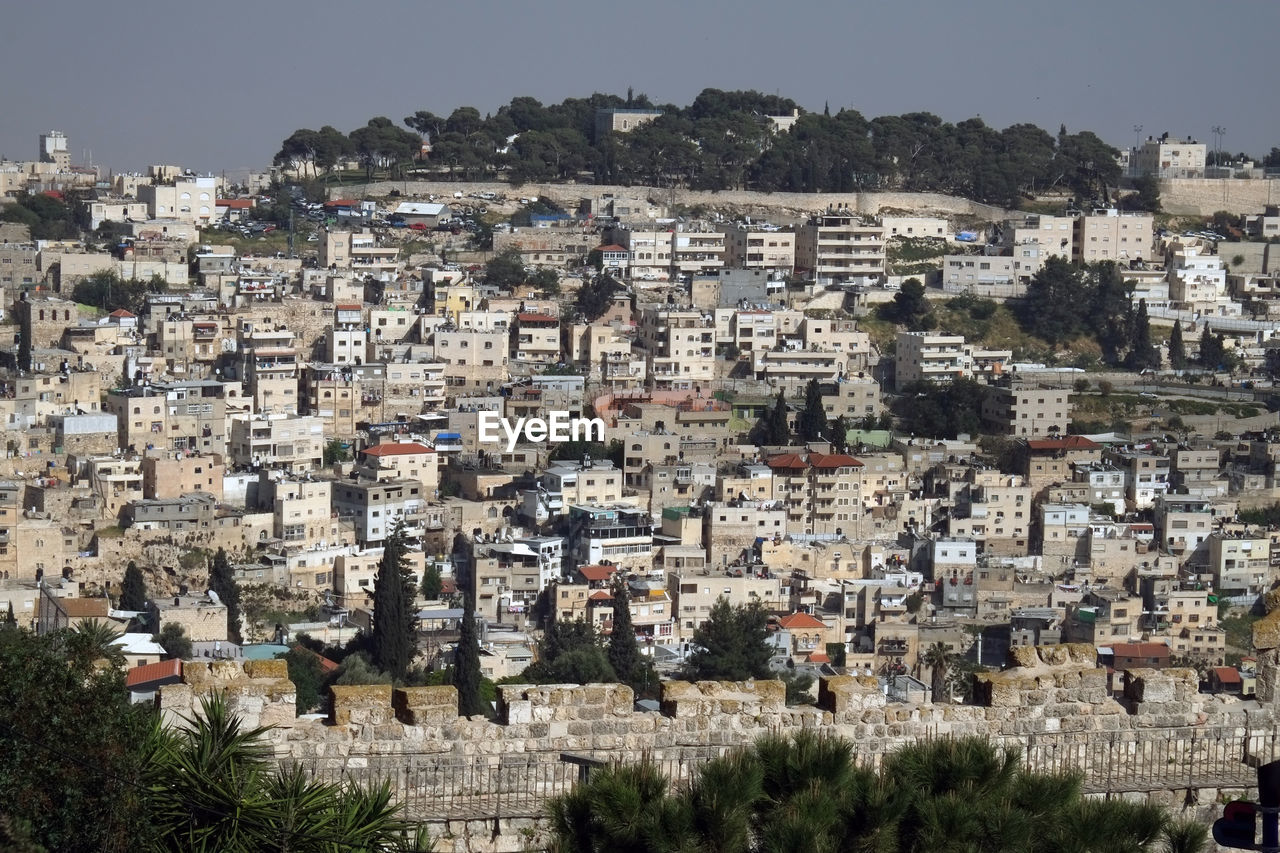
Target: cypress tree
[(774, 429), (133, 590), (394, 620), (466, 662), (222, 582), (838, 434), (1177, 349), (813, 418), (624, 654), (1143, 354)]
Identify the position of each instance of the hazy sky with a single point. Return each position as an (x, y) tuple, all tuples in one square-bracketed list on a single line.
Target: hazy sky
[(215, 86)]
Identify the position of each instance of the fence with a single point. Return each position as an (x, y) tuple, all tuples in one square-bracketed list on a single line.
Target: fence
[(439, 787)]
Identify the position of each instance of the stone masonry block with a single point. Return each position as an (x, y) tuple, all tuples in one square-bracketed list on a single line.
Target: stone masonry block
[(1149, 686), (418, 706), (1266, 632), (844, 693), (358, 703), (266, 668)]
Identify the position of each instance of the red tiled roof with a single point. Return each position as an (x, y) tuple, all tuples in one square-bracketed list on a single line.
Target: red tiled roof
[(349, 306), (325, 664), (600, 595), (800, 620), (787, 460), (1140, 650), (537, 318), (1227, 675), (833, 460), (1069, 442), (396, 448), (612, 247), (597, 573), (120, 312), (819, 657), (341, 202), (153, 672), (235, 203)]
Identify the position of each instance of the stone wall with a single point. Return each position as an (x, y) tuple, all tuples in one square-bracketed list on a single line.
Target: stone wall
[(484, 783), (1206, 196), (568, 196)]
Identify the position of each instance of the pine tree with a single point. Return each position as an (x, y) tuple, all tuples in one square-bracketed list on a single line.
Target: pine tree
[(624, 654), (133, 590), (466, 662), (432, 583), (1177, 349), (11, 621), (222, 582), (394, 619), (813, 418)]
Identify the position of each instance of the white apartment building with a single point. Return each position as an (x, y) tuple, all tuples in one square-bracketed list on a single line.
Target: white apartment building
[(838, 248), (754, 248), (679, 347), (1198, 282), (1171, 158), (931, 357), (1106, 234)]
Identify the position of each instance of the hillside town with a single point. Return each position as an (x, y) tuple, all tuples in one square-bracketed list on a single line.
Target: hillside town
[(293, 378)]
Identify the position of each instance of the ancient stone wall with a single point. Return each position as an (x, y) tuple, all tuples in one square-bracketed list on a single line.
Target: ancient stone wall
[(485, 783), (568, 196)]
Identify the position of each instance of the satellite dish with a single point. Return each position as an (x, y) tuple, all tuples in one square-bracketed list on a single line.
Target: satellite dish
[(213, 596)]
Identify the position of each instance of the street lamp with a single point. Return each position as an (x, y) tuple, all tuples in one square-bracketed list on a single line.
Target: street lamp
[(1133, 161)]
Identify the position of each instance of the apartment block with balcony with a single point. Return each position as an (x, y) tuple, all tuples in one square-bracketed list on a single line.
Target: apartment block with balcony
[(1106, 234), (537, 340), (697, 253), (375, 507), (473, 360), (359, 252), (1165, 157), (679, 348), (566, 484), (839, 248), (174, 415), (301, 511), (1240, 565), (1026, 411), (1104, 617), (620, 534), (1183, 526), (754, 248), (286, 442), (1146, 475), (931, 357)]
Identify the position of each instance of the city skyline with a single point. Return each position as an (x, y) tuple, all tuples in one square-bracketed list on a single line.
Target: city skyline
[(218, 89)]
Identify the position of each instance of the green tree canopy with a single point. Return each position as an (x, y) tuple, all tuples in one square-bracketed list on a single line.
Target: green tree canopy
[(222, 582), (570, 653), (177, 644), (395, 620), (133, 589), (731, 645), (805, 792), (466, 664), (811, 423)]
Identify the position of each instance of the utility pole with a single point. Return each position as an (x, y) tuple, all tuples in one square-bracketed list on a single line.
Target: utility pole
[(1133, 161)]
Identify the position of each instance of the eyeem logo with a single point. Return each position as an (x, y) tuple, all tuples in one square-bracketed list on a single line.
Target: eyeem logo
[(559, 428)]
